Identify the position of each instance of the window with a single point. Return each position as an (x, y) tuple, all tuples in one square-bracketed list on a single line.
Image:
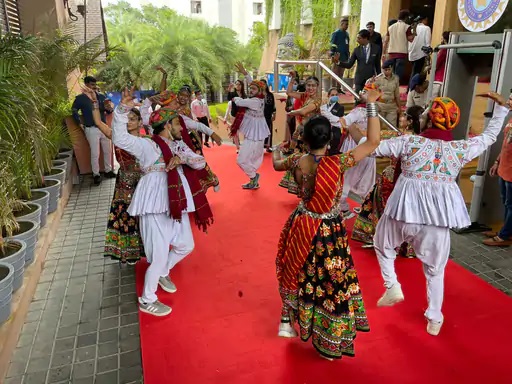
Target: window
[(257, 8), (195, 7)]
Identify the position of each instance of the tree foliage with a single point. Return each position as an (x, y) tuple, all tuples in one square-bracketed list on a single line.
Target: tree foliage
[(191, 51)]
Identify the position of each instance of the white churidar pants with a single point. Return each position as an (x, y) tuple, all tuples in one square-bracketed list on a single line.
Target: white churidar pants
[(96, 138), (158, 232), (431, 245), (250, 156)]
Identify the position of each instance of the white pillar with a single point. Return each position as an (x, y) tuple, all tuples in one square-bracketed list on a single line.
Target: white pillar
[(371, 10)]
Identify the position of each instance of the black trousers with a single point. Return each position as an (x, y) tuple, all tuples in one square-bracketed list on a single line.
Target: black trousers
[(268, 140), (204, 120), (335, 143)]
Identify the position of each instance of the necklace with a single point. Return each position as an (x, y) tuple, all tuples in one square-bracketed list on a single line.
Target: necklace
[(317, 158)]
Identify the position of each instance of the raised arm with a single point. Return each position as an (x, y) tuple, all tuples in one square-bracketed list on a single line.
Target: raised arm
[(104, 128), (478, 144), (200, 127), (252, 103), (373, 132), (163, 83), (289, 90)]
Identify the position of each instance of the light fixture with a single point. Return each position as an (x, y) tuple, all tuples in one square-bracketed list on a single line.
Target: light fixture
[(81, 7)]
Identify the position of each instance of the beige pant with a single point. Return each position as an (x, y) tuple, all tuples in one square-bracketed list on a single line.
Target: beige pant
[(432, 247), (390, 112)]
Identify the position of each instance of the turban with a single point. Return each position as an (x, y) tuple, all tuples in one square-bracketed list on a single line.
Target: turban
[(162, 115), (165, 98), (260, 84), (444, 113)]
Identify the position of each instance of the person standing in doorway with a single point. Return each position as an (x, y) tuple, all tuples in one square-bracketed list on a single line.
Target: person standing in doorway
[(367, 56), (340, 48), (396, 43), (94, 136), (201, 113), (422, 38), (375, 37)]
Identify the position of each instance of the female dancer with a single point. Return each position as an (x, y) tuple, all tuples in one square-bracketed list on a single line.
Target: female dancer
[(122, 237), (311, 103), (317, 279)]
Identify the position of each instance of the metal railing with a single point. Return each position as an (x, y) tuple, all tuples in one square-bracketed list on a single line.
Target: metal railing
[(319, 67)]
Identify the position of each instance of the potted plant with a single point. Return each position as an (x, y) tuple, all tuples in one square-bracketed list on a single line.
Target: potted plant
[(6, 279), (13, 252), (28, 211)]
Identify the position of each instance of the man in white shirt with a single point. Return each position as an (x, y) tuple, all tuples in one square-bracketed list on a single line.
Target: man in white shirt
[(201, 113), (422, 38)]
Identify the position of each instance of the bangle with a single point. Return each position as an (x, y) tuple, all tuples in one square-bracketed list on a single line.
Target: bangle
[(371, 110)]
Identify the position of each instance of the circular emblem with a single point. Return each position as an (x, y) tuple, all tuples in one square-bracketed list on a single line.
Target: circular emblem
[(480, 15)]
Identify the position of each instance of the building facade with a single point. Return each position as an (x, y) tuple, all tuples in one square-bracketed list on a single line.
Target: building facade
[(238, 15)]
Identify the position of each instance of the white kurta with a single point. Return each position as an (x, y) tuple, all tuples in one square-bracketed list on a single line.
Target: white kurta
[(150, 202), (361, 178), (426, 202), (255, 131)]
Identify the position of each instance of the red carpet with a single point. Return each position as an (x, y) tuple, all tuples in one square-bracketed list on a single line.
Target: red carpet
[(226, 312)]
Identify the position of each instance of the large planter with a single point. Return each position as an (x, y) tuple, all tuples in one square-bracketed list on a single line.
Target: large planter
[(68, 158), (6, 278), (66, 151), (31, 212), (42, 199), (53, 188), (28, 233), (57, 174), (60, 164), (14, 254)]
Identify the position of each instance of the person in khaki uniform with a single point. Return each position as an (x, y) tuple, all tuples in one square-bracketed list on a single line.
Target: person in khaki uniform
[(389, 84)]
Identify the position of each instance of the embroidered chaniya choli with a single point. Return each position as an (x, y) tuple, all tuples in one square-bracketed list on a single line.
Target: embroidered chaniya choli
[(317, 278)]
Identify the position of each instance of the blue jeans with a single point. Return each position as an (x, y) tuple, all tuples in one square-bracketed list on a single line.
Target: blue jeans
[(506, 198)]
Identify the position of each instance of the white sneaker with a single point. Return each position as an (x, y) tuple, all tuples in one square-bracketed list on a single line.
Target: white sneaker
[(391, 297), (434, 327), (286, 330), (347, 215), (216, 188)]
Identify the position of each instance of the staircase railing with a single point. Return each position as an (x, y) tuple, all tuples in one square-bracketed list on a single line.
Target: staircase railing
[(319, 68)]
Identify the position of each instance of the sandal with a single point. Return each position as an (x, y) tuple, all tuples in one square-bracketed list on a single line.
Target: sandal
[(497, 241)]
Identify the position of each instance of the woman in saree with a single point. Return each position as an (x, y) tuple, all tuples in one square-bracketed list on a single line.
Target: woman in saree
[(375, 202), (317, 279)]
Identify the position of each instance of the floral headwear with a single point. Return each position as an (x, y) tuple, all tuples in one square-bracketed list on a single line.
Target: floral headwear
[(162, 115), (166, 97), (260, 84), (444, 113)]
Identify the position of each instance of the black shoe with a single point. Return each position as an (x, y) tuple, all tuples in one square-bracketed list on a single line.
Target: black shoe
[(110, 175), (97, 179), (207, 145)]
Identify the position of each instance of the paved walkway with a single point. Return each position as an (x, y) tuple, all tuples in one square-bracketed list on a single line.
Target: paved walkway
[(82, 326)]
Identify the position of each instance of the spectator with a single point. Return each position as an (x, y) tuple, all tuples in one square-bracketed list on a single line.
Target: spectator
[(201, 113), (94, 136), (367, 56), (340, 48), (396, 43), (375, 37), (422, 37), (502, 168), (440, 67), (389, 84), (417, 94)]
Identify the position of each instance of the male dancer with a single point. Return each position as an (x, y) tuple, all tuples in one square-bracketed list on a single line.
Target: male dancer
[(167, 192), (426, 201), (250, 120)]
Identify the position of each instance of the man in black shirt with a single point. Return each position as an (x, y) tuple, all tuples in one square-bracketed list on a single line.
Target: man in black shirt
[(93, 134), (375, 37)]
